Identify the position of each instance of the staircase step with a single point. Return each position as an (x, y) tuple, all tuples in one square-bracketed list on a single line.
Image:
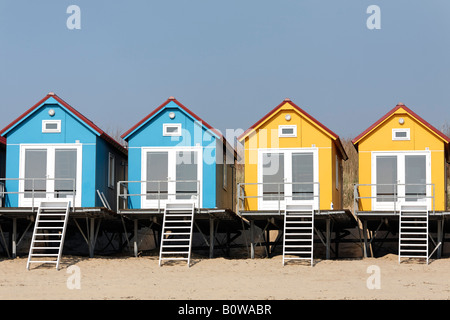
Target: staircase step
[(173, 217), (53, 210)]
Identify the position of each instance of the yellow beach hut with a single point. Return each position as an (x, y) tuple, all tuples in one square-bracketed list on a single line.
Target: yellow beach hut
[(401, 161), (293, 181), (402, 181), (290, 157)]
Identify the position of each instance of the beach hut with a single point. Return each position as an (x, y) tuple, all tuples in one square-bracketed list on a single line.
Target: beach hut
[(57, 155), (177, 159), (402, 167), (291, 161)]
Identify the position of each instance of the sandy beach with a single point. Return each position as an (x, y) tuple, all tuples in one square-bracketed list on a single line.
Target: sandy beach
[(220, 278)]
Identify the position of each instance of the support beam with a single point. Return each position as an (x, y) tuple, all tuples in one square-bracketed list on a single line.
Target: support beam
[(365, 238), (252, 239), (135, 237), (328, 238), (14, 239), (211, 238), (440, 229), (91, 238)]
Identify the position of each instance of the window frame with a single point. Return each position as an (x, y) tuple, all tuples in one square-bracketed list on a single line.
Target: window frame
[(111, 170), (172, 134), (285, 126), (396, 130), (44, 126)]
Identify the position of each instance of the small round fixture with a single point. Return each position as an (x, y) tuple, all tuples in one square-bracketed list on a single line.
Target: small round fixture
[(401, 121), (51, 112), (288, 117), (172, 115)]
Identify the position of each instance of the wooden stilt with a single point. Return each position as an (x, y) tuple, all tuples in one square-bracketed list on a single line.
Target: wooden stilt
[(211, 237)]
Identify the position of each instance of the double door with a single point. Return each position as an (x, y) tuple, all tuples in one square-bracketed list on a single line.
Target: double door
[(50, 173), (171, 175), (287, 176), (401, 178)]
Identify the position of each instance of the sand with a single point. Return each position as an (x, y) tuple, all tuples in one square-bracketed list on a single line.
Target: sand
[(124, 277)]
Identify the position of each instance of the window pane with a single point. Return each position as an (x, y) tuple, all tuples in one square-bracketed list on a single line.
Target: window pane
[(273, 176), (302, 176), (186, 169), (35, 167), (415, 177), (386, 178), (66, 169), (171, 129), (51, 126), (157, 170)]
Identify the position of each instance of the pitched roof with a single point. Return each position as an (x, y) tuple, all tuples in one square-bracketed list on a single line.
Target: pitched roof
[(88, 122), (154, 112), (330, 133), (438, 133), (141, 123)]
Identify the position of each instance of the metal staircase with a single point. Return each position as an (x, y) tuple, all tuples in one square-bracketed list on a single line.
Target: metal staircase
[(298, 235), (176, 235), (49, 232), (413, 232)]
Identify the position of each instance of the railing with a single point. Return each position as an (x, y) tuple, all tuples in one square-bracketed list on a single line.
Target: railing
[(34, 194), (395, 196), (157, 197), (280, 196)]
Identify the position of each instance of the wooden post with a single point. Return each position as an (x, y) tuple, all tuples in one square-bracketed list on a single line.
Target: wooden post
[(211, 237), (252, 239), (439, 237), (365, 238), (328, 238), (135, 237), (14, 239), (91, 238)]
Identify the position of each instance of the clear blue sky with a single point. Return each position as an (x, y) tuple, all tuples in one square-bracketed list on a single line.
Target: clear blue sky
[(228, 61)]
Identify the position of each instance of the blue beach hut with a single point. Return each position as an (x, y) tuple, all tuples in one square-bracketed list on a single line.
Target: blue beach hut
[(175, 156), (55, 153)]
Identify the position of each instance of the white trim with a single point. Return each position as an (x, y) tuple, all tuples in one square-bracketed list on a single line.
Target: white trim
[(46, 130), (172, 134), (263, 205), (27, 202), (287, 135), (112, 183), (400, 178), (171, 174), (405, 130), (337, 169)]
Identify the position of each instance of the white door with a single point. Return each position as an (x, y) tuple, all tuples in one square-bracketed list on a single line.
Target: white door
[(50, 172), (401, 178), (171, 175), (287, 176)]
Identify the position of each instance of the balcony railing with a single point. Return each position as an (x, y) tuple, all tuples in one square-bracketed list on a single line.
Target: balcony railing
[(158, 195), (394, 198), (32, 189), (279, 195)]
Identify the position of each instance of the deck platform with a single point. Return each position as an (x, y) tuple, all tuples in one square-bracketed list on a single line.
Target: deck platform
[(375, 221), (325, 222), (18, 221), (208, 222)]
